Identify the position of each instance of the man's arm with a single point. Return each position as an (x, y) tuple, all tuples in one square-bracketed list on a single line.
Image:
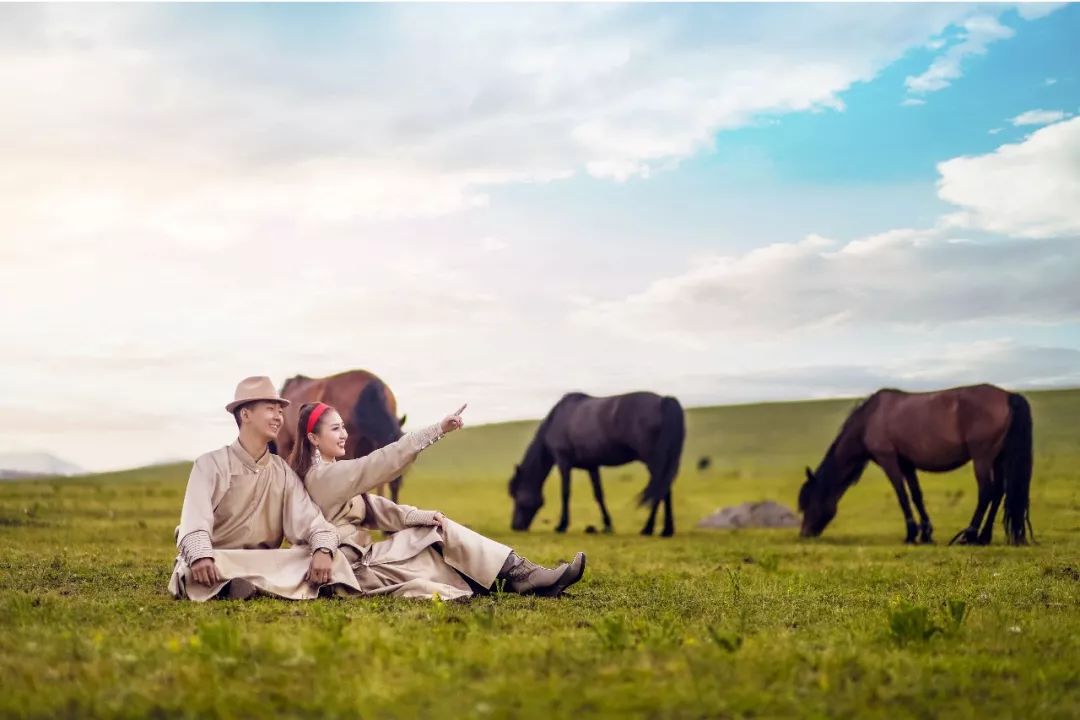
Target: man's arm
[(337, 482), (197, 522), (303, 523)]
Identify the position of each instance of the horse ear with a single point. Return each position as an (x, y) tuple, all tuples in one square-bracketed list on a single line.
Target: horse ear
[(404, 417), (810, 475)]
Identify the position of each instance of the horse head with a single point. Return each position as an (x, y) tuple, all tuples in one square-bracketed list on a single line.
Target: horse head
[(817, 505), (527, 499)]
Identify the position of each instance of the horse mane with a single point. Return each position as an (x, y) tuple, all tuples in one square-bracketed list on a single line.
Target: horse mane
[(857, 414), (862, 407), (370, 411), (293, 379), (537, 452), (542, 428)]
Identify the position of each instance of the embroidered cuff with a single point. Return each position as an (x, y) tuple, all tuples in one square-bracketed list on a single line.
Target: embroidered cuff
[(324, 539), (417, 517), (195, 546), (426, 437)]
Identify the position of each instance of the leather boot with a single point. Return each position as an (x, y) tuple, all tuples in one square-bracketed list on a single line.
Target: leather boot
[(524, 576)]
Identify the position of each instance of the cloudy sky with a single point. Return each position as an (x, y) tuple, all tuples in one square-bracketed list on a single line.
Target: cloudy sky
[(499, 204)]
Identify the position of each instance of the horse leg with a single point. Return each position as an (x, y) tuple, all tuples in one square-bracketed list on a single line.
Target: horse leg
[(395, 489), (984, 478), (997, 492), (669, 517), (650, 524), (564, 519), (926, 530), (598, 493), (891, 466)]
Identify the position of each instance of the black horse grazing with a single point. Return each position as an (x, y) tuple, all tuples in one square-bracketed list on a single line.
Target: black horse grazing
[(934, 431), (589, 433)]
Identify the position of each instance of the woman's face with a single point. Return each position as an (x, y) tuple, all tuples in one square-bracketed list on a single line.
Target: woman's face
[(330, 435)]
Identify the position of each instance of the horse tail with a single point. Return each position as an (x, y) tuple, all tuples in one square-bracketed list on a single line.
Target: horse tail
[(1016, 460), (668, 452)]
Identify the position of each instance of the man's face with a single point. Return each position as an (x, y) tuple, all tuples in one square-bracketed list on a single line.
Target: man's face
[(265, 418)]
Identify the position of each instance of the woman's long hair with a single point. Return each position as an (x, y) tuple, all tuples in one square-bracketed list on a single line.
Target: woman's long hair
[(300, 459)]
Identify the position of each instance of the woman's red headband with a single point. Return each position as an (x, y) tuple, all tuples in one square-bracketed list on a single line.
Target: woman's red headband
[(313, 418)]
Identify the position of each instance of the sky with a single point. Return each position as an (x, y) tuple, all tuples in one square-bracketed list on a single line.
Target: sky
[(499, 204)]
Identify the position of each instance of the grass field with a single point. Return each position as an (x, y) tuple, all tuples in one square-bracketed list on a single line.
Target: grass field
[(706, 624)]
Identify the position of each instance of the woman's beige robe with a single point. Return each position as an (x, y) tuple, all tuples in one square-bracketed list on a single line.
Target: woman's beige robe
[(420, 558), (238, 510)]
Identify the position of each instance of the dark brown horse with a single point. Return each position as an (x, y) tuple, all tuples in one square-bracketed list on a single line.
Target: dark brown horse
[(934, 431), (366, 405), (589, 433)]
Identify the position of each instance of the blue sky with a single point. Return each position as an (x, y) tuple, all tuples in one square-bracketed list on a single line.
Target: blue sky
[(499, 204)]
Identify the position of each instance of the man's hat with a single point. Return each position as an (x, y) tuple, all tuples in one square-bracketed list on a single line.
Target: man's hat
[(255, 388)]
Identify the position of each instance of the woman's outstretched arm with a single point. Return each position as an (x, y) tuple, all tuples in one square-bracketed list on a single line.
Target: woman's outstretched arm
[(335, 483), (338, 482)]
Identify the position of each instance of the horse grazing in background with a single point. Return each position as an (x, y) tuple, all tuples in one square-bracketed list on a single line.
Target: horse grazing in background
[(934, 431), (366, 405), (587, 433)]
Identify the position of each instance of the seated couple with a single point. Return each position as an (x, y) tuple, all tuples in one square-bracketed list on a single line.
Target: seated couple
[(242, 501)]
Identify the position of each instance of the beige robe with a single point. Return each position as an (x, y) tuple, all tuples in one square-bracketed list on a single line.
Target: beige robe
[(238, 510), (419, 559)]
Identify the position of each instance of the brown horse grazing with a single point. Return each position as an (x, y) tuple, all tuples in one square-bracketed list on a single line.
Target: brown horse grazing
[(934, 431), (587, 432), (365, 403)]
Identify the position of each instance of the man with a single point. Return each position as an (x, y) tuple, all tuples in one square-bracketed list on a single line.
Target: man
[(241, 502)]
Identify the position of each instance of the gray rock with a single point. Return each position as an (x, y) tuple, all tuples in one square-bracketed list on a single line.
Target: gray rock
[(766, 514)]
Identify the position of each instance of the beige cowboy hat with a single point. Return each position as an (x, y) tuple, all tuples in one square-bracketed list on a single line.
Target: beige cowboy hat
[(258, 387)]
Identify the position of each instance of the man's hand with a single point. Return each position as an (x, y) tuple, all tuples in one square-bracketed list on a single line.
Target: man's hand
[(319, 571), (204, 571), (440, 520)]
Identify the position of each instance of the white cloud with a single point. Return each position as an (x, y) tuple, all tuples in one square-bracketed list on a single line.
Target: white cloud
[(1026, 189), (448, 102), (900, 278), (1036, 10), (1002, 362), (979, 32), (994, 131), (913, 102), (1050, 81), (1039, 117)]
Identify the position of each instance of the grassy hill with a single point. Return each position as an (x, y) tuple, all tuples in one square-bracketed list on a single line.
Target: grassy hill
[(707, 624)]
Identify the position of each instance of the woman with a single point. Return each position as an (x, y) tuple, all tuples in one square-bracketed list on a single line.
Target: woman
[(426, 552)]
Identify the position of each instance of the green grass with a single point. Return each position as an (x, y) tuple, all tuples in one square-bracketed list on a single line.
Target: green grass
[(707, 624)]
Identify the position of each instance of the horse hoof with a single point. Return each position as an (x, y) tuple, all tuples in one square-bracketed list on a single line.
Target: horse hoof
[(608, 530), (647, 532), (560, 529), (966, 536), (667, 533)]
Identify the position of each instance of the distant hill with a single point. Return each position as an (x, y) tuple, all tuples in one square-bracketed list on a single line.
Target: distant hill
[(22, 465)]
